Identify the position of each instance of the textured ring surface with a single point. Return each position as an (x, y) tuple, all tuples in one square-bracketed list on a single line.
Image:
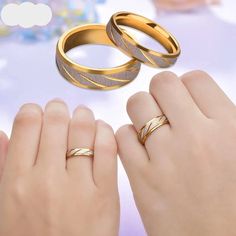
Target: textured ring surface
[(77, 152), (91, 78), (127, 44), (151, 126)]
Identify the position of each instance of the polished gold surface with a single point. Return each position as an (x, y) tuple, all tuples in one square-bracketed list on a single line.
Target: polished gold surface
[(78, 152), (91, 78), (151, 126), (127, 44)]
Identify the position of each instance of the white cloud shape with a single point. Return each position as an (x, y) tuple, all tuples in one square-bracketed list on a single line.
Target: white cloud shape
[(26, 14)]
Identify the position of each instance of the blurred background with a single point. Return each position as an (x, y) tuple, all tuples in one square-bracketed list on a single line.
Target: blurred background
[(206, 31)]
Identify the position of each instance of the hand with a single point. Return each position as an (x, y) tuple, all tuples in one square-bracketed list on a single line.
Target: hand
[(3, 150), (184, 178), (42, 193), (182, 4)]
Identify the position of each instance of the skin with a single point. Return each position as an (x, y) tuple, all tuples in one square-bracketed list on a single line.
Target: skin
[(183, 4), (3, 150), (184, 178), (42, 193)]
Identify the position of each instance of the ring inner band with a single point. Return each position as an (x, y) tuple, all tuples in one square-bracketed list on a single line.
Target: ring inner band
[(86, 36), (150, 28), (92, 78)]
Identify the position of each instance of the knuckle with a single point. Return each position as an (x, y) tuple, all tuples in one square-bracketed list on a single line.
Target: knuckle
[(56, 102), (136, 98), (196, 143), (99, 194), (30, 107), (46, 189), (105, 125), (199, 73), (56, 111), (83, 109), (122, 131), (163, 79), (107, 202), (193, 76), (17, 190), (29, 114)]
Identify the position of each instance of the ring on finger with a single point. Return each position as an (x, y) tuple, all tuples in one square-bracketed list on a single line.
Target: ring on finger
[(150, 127)]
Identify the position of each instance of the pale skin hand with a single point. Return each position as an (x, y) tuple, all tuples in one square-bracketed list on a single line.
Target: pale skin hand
[(3, 150), (184, 178), (43, 194)]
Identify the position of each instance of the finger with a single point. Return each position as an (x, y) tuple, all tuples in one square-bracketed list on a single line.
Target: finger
[(174, 100), (25, 138), (105, 161), (3, 151), (81, 135), (211, 100), (132, 154), (141, 108), (53, 144)]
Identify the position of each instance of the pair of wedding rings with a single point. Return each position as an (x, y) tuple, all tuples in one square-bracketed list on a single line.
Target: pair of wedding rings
[(143, 134), (113, 34)]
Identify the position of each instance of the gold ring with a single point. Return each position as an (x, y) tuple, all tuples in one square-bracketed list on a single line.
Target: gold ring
[(77, 152), (91, 78), (151, 126), (127, 44)]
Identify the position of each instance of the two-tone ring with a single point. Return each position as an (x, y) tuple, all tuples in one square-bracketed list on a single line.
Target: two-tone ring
[(127, 44), (114, 35), (90, 78), (150, 127), (80, 152)]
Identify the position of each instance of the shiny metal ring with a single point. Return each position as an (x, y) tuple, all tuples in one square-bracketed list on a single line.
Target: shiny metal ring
[(92, 78), (150, 127), (78, 152), (127, 44)]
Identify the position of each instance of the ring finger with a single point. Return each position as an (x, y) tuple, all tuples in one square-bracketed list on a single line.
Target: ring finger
[(141, 108), (81, 135)]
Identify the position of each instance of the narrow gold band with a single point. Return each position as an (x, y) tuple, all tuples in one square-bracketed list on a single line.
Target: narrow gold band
[(85, 77), (151, 126), (127, 44), (77, 152)]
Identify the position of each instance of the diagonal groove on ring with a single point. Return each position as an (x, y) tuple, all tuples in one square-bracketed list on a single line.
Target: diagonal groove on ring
[(93, 82), (116, 79), (132, 70), (132, 48), (80, 152), (150, 127), (152, 62), (74, 79), (119, 39)]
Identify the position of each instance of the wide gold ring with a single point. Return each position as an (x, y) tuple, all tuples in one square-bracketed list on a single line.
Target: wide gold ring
[(91, 78), (127, 44), (150, 127), (78, 152)]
